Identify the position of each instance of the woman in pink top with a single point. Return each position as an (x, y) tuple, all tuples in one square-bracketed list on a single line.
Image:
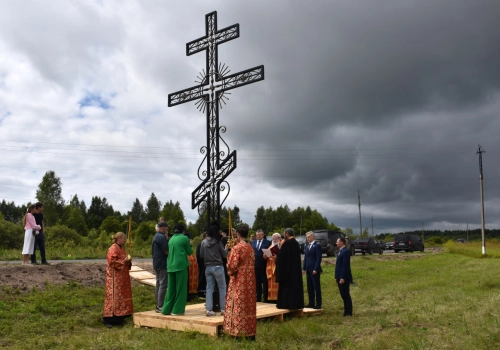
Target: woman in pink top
[(29, 235)]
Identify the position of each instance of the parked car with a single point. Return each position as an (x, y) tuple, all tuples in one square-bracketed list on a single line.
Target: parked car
[(302, 242), (328, 241), (389, 245), (461, 240), (408, 242), (380, 244), (367, 245)]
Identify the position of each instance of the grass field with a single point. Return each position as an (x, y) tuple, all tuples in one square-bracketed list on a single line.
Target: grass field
[(402, 301)]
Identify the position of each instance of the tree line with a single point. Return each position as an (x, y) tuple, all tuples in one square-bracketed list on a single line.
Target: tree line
[(73, 222)]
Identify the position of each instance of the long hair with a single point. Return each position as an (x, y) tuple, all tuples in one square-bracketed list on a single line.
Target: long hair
[(28, 211)]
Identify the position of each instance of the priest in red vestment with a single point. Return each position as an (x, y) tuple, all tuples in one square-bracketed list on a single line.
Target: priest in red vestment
[(118, 295), (240, 316)]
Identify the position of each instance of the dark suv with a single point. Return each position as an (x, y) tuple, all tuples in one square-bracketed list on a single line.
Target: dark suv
[(302, 242), (367, 245), (408, 242), (328, 241)]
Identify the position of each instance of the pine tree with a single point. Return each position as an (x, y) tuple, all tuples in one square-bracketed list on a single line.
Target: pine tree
[(153, 208), (49, 193), (137, 211)]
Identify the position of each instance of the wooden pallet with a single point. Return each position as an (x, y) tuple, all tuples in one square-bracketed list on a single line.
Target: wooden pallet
[(196, 320)]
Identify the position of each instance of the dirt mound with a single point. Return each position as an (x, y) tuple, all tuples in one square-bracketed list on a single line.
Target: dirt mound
[(25, 278)]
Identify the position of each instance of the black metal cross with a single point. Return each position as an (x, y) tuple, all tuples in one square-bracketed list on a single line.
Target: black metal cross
[(211, 93)]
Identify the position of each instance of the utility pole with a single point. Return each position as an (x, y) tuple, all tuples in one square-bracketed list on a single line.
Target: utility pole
[(300, 232), (480, 151), (372, 227), (467, 232), (423, 240), (360, 226)]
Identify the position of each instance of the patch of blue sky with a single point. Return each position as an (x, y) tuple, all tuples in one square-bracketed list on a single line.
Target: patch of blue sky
[(4, 115), (96, 100)]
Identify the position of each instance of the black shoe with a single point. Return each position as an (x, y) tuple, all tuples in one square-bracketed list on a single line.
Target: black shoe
[(158, 310), (109, 325), (310, 306), (45, 263), (317, 307), (34, 263)]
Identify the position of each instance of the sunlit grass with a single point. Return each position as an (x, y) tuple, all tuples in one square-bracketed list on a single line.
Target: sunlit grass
[(474, 249)]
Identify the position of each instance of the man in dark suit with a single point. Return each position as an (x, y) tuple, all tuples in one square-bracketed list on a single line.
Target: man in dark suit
[(260, 265), (343, 275), (312, 269)]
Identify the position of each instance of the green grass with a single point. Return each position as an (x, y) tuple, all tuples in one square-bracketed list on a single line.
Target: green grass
[(74, 253), (474, 249), (437, 301)]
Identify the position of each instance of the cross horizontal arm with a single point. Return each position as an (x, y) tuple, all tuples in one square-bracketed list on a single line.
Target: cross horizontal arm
[(197, 45), (186, 95), (200, 193), (245, 77), (226, 34), (221, 36)]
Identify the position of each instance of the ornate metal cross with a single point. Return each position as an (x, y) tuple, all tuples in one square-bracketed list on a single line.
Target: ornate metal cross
[(211, 93)]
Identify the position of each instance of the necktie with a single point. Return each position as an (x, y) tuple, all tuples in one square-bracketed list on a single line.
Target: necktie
[(258, 245)]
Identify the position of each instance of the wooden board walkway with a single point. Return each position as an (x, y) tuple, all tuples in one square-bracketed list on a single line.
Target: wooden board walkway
[(142, 275), (196, 320)]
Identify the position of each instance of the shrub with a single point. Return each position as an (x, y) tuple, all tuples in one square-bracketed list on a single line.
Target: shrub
[(62, 235), (145, 231), (111, 224), (11, 235)]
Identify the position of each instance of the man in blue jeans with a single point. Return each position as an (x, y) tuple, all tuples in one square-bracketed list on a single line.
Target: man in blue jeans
[(212, 252), (159, 250)]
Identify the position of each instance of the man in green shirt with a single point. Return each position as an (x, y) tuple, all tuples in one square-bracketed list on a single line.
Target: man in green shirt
[(179, 248)]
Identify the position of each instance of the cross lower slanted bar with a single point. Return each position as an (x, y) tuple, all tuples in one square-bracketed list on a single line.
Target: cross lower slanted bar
[(211, 94)]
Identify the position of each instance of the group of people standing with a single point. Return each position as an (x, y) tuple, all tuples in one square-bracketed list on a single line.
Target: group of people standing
[(260, 270), (34, 236), (278, 274)]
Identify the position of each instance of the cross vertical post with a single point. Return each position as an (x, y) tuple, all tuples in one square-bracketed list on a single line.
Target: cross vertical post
[(210, 94)]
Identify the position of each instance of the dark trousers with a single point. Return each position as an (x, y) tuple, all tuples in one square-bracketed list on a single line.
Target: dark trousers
[(161, 287), (346, 297), (314, 289), (40, 243), (261, 280)]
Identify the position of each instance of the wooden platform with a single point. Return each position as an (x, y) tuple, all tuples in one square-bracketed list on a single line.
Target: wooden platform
[(196, 320)]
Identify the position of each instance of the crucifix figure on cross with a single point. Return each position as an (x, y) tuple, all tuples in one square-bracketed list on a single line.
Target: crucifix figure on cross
[(211, 94)]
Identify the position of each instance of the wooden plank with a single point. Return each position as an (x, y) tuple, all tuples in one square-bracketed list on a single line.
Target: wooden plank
[(151, 282), (310, 311), (135, 268), (141, 275), (176, 323)]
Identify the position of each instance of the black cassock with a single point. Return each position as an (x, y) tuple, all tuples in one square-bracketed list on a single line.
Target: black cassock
[(289, 276)]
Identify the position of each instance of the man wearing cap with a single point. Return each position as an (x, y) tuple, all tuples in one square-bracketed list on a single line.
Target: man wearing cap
[(159, 251)]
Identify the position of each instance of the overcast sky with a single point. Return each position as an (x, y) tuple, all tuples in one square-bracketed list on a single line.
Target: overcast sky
[(389, 97)]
